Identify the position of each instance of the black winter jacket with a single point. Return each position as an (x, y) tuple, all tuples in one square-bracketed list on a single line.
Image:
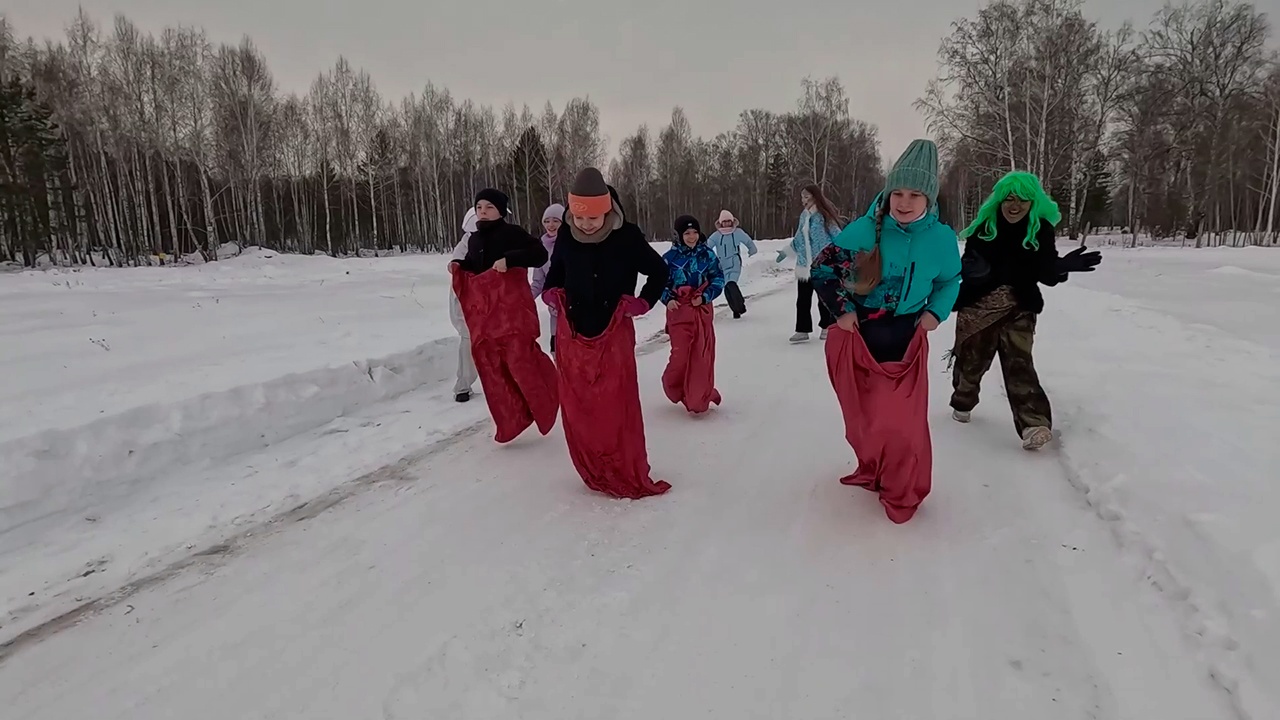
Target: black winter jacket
[(1021, 268), (596, 276), (497, 239)]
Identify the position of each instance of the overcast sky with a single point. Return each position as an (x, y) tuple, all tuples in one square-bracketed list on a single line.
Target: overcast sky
[(635, 59)]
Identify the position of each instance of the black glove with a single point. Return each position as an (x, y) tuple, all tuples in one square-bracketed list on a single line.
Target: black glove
[(1079, 261)]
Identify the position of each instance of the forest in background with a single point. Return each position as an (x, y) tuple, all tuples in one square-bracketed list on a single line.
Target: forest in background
[(123, 147), (1171, 131)]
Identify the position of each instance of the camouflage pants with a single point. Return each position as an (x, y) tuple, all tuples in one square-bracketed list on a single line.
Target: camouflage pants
[(1011, 339)]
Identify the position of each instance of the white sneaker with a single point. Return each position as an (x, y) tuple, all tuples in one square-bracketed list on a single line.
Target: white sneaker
[(823, 335), (799, 338), (1034, 438), (961, 416)]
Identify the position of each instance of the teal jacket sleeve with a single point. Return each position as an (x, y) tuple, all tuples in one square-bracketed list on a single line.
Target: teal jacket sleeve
[(946, 285), (746, 240)]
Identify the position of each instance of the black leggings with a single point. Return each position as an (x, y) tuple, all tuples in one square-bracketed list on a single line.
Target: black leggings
[(888, 336), (804, 309)]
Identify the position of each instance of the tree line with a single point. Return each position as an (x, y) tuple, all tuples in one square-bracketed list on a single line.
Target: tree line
[(120, 147), (1172, 131)]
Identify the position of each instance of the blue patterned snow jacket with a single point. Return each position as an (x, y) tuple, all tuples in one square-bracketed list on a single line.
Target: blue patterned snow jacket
[(693, 267)]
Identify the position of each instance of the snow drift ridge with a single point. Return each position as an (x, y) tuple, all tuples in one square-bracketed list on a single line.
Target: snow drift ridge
[(55, 472)]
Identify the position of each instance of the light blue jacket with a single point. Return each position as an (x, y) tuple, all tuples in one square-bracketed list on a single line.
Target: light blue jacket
[(727, 248), (820, 235), (920, 266)]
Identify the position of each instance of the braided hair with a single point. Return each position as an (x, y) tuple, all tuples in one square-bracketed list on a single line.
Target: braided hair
[(868, 265)]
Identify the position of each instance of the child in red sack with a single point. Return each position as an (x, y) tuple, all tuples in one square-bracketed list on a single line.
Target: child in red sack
[(695, 281), (597, 259), (890, 278), (518, 378)]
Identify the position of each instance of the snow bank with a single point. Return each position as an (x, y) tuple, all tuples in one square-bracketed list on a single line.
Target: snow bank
[(158, 411), (1167, 393), (136, 389), (69, 470)]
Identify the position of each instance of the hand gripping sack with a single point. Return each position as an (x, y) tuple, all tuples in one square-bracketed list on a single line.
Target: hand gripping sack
[(518, 378), (600, 407), (690, 377), (886, 419)]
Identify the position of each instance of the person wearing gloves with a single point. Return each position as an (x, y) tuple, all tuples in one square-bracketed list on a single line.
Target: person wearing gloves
[(727, 242), (819, 223), (1009, 253), (466, 364), (696, 280), (591, 284), (552, 218), (890, 278)]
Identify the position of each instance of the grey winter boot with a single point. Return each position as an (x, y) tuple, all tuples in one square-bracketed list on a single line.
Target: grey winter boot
[(799, 338), (1034, 438)]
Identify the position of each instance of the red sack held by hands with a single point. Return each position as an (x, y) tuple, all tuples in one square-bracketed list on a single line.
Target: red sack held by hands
[(518, 378), (886, 419), (690, 377), (600, 405)]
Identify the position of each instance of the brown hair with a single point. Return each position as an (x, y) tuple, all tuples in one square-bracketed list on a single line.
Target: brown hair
[(825, 208), (868, 266)]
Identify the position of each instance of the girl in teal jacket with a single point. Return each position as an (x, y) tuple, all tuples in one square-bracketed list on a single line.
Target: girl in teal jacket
[(897, 267)]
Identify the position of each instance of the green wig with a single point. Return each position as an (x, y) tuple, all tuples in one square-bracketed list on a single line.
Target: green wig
[(1025, 187)]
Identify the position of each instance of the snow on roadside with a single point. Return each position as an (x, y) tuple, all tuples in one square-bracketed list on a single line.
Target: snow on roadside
[(1168, 401), (231, 393)]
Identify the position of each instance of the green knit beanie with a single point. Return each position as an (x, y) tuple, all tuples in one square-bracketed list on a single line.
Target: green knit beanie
[(917, 170)]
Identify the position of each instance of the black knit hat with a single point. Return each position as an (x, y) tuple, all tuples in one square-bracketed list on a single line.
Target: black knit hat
[(684, 222), (497, 197)]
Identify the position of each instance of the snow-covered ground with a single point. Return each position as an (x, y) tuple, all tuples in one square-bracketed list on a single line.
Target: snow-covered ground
[(414, 569), (153, 412)]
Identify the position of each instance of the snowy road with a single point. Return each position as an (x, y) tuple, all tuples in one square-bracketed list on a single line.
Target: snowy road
[(486, 582)]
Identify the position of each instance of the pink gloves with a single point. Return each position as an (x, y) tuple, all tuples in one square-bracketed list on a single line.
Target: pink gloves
[(634, 306)]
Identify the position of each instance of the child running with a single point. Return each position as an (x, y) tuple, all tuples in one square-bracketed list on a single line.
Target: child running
[(591, 284), (890, 278), (695, 281), (727, 241)]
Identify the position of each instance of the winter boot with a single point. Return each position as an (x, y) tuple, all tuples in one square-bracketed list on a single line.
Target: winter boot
[(799, 338), (463, 396), (1034, 438), (961, 416)]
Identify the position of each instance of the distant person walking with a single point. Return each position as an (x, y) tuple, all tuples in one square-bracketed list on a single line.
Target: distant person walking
[(819, 224)]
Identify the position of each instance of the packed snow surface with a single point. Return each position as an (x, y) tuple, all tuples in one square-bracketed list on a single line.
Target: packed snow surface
[(272, 509)]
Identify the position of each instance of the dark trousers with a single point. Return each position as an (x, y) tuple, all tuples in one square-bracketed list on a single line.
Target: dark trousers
[(733, 294), (804, 309), (1011, 340), (887, 336)]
